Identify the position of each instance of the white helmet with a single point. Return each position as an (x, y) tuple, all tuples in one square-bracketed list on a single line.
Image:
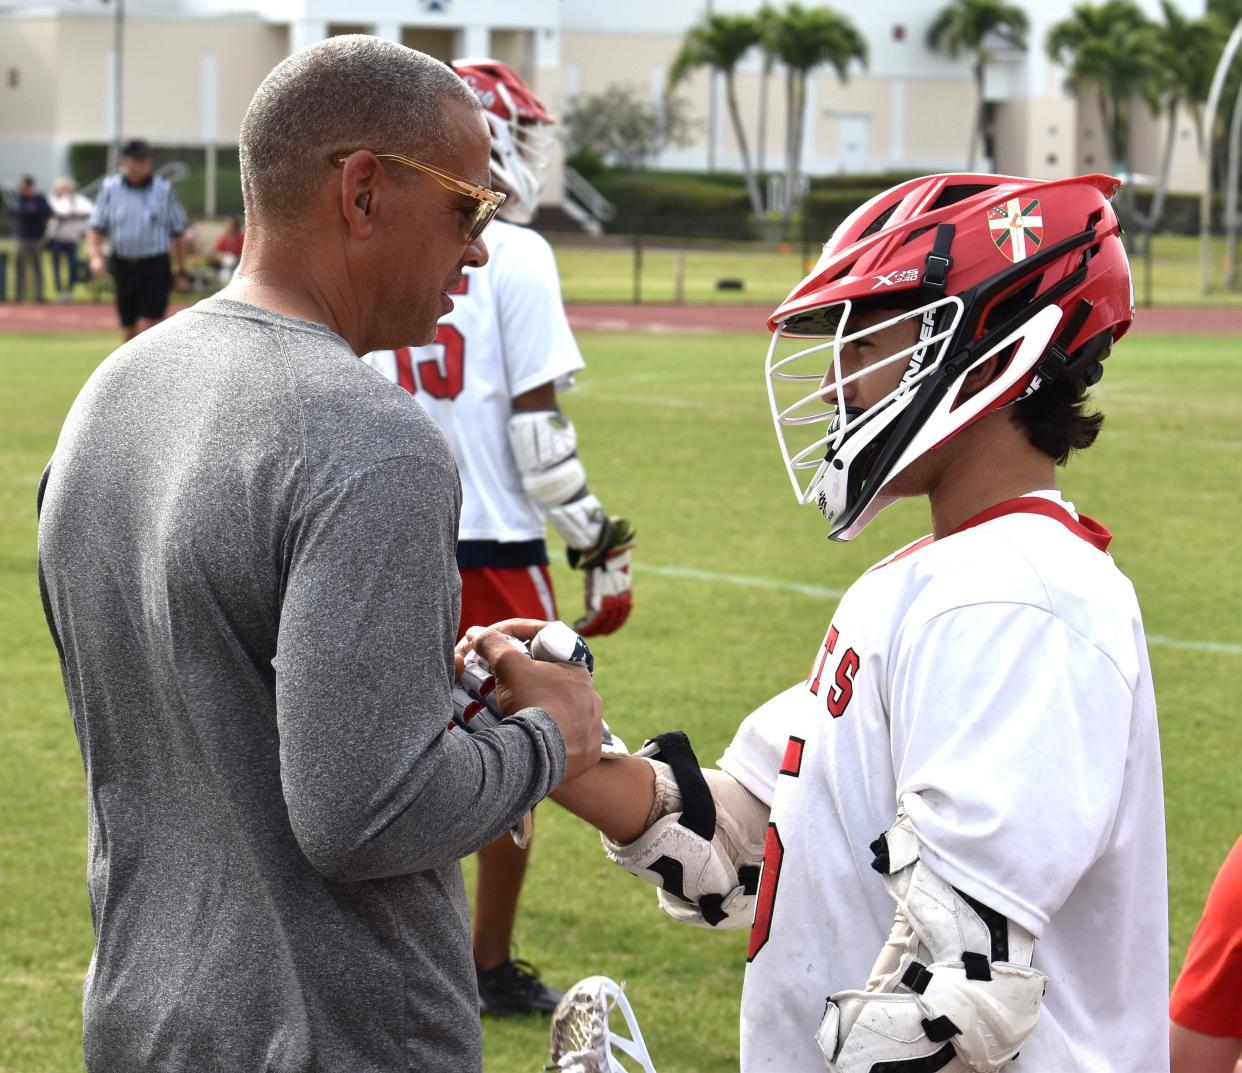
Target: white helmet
[(521, 141)]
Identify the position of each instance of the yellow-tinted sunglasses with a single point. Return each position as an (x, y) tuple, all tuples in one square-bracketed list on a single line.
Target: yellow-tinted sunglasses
[(488, 201)]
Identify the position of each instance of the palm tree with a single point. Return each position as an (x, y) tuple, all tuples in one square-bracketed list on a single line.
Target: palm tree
[(973, 26), (1112, 49), (1189, 49), (719, 42), (767, 18), (805, 39)]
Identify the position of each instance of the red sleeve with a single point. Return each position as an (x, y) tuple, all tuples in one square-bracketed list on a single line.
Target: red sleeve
[(1206, 997)]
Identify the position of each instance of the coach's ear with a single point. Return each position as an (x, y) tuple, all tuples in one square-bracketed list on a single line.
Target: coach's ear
[(361, 179)]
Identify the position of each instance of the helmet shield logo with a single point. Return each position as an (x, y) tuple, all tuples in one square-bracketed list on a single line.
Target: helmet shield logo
[(1017, 227)]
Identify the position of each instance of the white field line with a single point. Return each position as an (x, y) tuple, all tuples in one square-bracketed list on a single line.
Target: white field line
[(823, 592), (818, 591)]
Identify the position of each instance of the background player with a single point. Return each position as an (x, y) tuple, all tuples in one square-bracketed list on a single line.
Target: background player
[(978, 725), (490, 381)]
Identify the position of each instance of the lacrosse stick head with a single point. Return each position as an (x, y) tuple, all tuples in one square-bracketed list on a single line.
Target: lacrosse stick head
[(585, 1035)]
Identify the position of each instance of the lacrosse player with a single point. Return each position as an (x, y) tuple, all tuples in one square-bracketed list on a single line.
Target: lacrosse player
[(958, 813), (490, 381)]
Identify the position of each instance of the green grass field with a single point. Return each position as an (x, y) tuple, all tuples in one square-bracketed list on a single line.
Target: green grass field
[(733, 587)]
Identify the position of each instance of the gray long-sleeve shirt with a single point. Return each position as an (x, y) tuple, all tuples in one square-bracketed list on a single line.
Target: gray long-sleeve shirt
[(246, 547)]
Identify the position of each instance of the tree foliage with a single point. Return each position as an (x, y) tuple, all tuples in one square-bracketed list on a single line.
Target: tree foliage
[(626, 128), (805, 39), (977, 27), (1111, 50), (719, 42)]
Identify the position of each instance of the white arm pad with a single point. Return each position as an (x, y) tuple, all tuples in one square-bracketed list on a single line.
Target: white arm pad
[(545, 449), (707, 882), (581, 522), (953, 981)]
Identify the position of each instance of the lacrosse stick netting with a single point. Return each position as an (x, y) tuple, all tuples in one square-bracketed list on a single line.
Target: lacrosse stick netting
[(583, 1037)]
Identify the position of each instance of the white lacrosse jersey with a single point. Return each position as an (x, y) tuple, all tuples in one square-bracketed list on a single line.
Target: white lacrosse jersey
[(996, 681), (507, 333)]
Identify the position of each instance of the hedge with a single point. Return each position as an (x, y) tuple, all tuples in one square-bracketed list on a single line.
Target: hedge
[(689, 206), (89, 160)]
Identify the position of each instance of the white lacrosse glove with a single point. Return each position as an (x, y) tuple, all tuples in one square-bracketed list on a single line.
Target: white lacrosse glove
[(705, 859), (952, 990), (607, 585), (583, 1035)]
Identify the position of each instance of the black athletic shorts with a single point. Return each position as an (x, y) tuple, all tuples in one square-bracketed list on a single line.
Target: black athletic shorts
[(142, 287)]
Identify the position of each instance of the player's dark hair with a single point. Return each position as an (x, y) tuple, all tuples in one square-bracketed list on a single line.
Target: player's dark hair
[(1057, 417)]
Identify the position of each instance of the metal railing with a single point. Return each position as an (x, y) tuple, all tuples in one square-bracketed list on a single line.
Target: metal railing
[(586, 204)]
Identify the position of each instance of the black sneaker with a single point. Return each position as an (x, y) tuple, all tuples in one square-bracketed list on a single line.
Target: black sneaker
[(515, 987)]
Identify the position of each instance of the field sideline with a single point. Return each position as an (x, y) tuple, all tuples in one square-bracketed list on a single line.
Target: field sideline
[(734, 586)]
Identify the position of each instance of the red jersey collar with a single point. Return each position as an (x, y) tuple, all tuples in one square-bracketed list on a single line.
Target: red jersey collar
[(1086, 528)]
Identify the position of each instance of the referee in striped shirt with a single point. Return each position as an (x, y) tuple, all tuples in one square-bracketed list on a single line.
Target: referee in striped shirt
[(140, 214)]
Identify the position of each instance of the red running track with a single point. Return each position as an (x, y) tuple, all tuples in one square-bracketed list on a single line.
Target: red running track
[(51, 317)]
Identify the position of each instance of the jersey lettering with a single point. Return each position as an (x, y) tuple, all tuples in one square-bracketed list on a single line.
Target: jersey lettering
[(444, 379), (405, 371), (840, 694), (830, 642), (441, 378), (773, 853), (773, 858)]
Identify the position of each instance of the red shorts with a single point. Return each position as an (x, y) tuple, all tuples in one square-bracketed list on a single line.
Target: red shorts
[(492, 593)]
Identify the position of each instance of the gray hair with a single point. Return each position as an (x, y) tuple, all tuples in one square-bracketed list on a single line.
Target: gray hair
[(349, 92)]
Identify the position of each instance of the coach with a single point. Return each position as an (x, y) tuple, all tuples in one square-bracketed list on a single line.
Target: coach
[(140, 214), (247, 555)]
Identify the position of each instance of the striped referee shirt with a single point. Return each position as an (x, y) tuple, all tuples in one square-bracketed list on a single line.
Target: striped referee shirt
[(139, 220)]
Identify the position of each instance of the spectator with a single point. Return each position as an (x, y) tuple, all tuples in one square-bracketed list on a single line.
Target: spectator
[(228, 249), (1205, 1035), (246, 552), (71, 215), (140, 214), (31, 215)]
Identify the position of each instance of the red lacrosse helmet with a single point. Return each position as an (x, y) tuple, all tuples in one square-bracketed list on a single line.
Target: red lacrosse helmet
[(1030, 271), (521, 143)]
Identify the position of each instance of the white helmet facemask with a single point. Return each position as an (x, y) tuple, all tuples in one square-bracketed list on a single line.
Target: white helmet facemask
[(521, 151), (824, 442)]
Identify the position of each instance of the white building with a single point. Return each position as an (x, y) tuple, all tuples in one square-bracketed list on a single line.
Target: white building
[(190, 67)]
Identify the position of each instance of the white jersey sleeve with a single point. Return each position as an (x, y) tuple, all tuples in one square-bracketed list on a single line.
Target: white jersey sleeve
[(978, 745), (539, 346), (754, 755)]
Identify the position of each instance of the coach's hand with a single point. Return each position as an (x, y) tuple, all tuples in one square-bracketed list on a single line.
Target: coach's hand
[(563, 690), (99, 267)]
